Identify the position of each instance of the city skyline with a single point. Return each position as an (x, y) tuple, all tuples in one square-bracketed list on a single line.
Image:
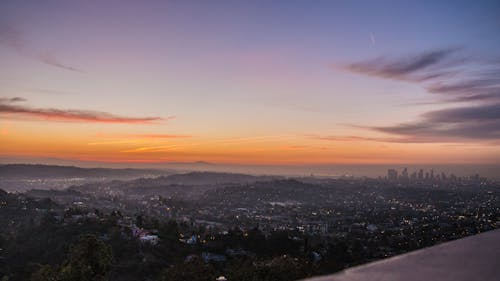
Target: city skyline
[(250, 83)]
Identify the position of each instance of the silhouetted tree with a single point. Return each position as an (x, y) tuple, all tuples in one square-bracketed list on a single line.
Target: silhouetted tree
[(139, 221), (193, 271), (46, 273), (88, 260)]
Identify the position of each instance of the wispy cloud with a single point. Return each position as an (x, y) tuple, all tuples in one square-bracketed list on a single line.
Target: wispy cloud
[(448, 73), (139, 137), (114, 142), (420, 67), (399, 139), (452, 125), (460, 124), (9, 110), (486, 112), (11, 100), (162, 136), (474, 84), (47, 91), (13, 38), (481, 89), (252, 139), (343, 138), (160, 148), (50, 59)]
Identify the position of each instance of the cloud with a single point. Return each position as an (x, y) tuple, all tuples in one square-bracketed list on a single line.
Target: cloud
[(453, 77), (481, 89), (343, 138), (476, 98), (465, 114), (480, 122), (472, 83), (9, 110), (459, 124), (399, 139), (420, 67), (160, 148), (11, 100), (13, 38), (49, 59), (48, 91), (162, 136), (125, 138), (464, 87)]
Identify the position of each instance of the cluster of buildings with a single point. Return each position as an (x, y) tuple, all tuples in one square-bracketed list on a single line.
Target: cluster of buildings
[(355, 207), (364, 208), (421, 176), (145, 236)]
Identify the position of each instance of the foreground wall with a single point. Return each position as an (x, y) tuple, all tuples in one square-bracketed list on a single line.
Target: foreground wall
[(468, 259)]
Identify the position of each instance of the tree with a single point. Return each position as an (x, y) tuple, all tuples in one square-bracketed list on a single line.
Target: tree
[(139, 221), (194, 271), (88, 260), (255, 241), (45, 273)]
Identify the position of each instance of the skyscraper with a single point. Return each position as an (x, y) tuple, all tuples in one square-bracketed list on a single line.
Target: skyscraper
[(421, 174), (392, 175)]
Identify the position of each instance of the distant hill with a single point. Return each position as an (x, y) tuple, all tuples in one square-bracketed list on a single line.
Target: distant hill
[(204, 178), (186, 185), (29, 171)]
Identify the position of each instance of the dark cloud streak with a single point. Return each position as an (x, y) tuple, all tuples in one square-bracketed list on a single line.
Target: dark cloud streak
[(472, 83), (13, 38), (7, 109), (446, 73), (49, 59), (11, 100), (453, 124), (465, 114), (416, 68)]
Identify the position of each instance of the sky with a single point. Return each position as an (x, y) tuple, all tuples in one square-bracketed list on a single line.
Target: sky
[(250, 82)]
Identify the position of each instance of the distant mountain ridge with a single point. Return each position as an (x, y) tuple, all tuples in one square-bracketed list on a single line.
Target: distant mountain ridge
[(16, 171), (185, 185), (186, 179), (201, 178)]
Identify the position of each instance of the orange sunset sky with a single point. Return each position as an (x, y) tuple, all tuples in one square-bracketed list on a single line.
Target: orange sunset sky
[(312, 82)]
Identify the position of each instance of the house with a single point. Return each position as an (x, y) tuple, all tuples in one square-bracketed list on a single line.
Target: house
[(208, 257), (151, 239)]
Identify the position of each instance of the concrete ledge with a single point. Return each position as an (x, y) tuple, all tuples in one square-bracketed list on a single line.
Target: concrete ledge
[(474, 258)]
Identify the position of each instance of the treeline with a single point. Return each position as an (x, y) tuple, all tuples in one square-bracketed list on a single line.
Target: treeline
[(48, 248)]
